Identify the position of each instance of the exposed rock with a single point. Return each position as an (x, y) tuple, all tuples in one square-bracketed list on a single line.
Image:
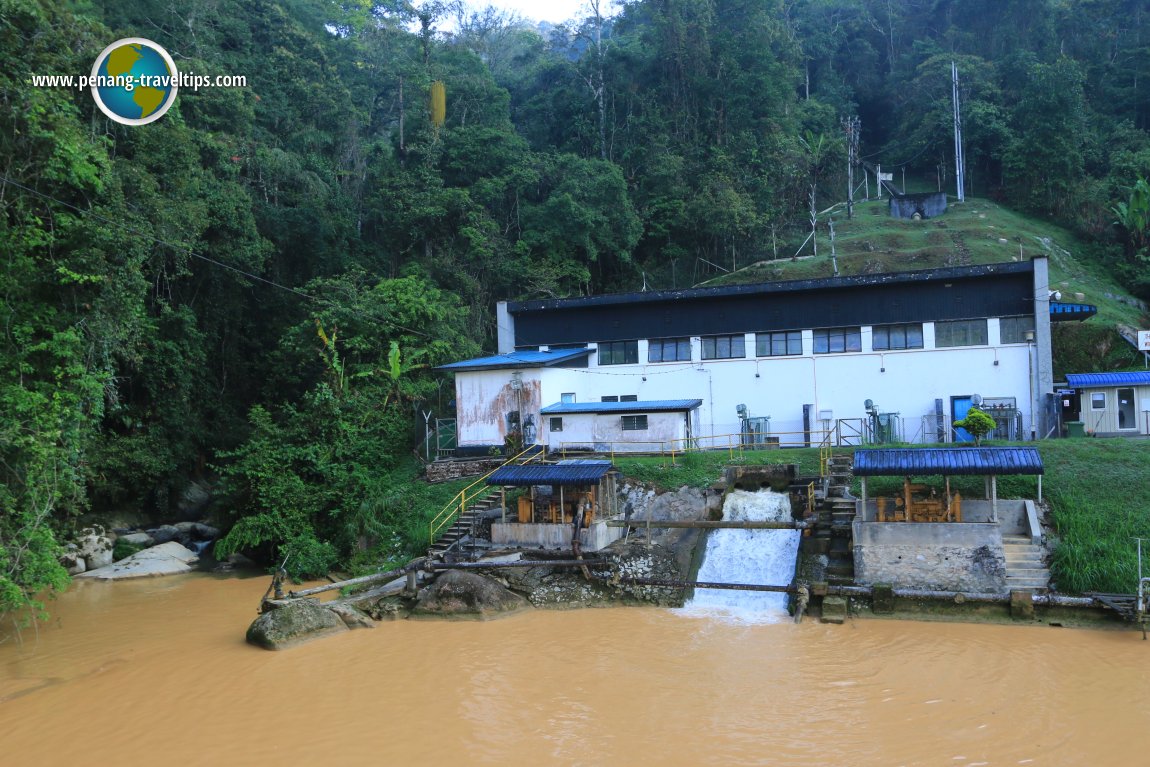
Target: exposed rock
[(203, 532), (138, 539), (164, 534), (194, 499), (166, 559), (73, 563), (352, 618), (95, 547), (462, 594), (293, 624)]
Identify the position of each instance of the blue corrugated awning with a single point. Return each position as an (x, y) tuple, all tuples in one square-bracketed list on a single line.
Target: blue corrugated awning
[(642, 406), (522, 359), (1130, 378), (951, 461), (1060, 312), (586, 472)]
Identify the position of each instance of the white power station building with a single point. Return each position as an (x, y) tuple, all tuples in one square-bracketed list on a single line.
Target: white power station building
[(791, 362)]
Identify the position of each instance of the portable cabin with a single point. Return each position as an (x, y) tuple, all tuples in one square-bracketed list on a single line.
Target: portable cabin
[(1113, 404)]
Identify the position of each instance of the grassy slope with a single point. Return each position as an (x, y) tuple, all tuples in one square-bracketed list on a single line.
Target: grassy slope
[(1098, 491), (969, 233)]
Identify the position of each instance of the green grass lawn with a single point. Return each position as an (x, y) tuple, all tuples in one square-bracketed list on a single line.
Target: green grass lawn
[(1098, 491)]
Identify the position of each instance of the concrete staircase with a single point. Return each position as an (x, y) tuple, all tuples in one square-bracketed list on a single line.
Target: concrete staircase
[(1024, 567), (464, 525)]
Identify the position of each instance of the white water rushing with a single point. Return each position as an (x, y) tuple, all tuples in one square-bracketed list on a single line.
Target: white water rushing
[(762, 557)]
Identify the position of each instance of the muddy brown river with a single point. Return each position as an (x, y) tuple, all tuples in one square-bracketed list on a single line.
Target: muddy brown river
[(157, 673)]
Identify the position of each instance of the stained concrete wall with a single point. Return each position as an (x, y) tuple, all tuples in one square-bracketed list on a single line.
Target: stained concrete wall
[(937, 556), (925, 205)]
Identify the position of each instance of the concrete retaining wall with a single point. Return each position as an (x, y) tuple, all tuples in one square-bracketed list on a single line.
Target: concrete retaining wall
[(934, 556), (925, 205), (441, 471)]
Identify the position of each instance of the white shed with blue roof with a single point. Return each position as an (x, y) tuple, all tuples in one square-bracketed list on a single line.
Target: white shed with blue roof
[(1109, 403)]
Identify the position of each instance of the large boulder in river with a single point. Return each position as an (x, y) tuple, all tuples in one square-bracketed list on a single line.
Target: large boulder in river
[(462, 594), (166, 559), (292, 624), (94, 546)]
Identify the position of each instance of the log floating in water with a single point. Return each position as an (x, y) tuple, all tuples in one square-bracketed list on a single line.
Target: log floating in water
[(353, 582)]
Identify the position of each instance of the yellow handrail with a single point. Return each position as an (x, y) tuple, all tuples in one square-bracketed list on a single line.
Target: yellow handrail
[(458, 504), (675, 447)]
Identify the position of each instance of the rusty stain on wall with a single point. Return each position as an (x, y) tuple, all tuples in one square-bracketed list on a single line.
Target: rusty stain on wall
[(482, 412)]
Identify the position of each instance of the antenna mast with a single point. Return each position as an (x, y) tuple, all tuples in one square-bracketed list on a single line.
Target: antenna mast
[(959, 160)]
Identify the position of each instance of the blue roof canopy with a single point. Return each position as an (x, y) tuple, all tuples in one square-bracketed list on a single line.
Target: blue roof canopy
[(1060, 311), (519, 359), (950, 461), (1086, 380), (642, 406), (583, 472)]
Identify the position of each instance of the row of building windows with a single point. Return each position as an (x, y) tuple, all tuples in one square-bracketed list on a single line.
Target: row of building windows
[(789, 343)]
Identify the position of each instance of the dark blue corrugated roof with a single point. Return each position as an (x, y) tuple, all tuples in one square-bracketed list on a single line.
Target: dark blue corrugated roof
[(642, 406), (952, 461), (1131, 378), (1060, 311), (520, 359), (567, 473)]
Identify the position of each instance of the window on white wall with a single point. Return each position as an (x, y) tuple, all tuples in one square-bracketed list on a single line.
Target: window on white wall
[(1013, 330), (888, 337), (724, 347), (1098, 400), (634, 423), (618, 352), (779, 344), (960, 333), (836, 340), (567, 398), (669, 350), (556, 424)]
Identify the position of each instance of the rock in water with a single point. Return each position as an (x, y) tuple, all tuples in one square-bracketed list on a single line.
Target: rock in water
[(166, 559), (95, 547), (462, 594), (293, 624), (352, 618)]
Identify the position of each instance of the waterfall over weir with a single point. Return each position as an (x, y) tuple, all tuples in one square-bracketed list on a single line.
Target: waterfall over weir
[(761, 557)]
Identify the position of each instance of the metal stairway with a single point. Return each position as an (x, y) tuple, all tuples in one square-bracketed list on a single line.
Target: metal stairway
[(836, 513), (464, 525)]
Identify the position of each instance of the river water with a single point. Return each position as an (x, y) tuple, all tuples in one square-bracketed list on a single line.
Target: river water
[(156, 672)]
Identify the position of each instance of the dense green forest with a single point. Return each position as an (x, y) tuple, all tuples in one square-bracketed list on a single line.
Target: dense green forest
[(255, 286)]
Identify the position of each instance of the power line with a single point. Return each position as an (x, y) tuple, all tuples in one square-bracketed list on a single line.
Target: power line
[(186, 249)]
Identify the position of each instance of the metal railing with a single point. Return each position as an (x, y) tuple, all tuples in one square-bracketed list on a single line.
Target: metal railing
[(674, 448), (457, 505)]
